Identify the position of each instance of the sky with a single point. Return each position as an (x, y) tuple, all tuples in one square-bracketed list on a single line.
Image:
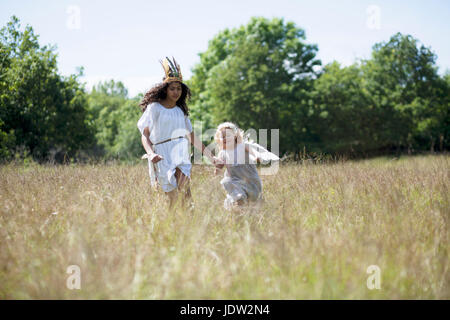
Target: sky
[(124, 40)]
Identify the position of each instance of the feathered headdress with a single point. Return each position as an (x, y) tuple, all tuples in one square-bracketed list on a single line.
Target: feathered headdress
[(172, 70)]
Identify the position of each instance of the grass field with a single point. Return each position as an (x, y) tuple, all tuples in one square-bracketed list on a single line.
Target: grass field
[(321, 226)]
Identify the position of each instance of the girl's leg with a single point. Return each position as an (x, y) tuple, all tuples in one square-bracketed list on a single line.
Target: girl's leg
[(172, 197), (235, 192), (183, 184), (181, 178)]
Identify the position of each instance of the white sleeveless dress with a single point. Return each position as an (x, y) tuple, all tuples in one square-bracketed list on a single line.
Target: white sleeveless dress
[(165, 123), (241, 180)]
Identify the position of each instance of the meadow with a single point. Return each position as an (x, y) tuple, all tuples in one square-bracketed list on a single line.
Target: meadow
[(320, 227)]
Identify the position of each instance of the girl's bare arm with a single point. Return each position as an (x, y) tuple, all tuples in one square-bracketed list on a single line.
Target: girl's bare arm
[(145, 139), (197, 143), (146, 143)]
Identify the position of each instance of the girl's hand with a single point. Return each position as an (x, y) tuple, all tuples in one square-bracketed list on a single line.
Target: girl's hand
[(218, 162), (153, 157), (156, 158)]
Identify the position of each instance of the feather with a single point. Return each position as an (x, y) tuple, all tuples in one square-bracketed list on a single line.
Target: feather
[(174, 69), (178, 66), (171, 69), (165, 67)]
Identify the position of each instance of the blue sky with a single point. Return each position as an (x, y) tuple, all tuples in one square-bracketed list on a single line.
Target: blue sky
[(124, 40)]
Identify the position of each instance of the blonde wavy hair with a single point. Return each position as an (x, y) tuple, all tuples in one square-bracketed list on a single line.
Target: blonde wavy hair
[(238, 133)]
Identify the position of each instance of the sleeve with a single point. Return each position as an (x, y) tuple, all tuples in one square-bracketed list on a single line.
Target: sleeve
[(188, 124), (262, 153), (146, 119), (221, 155)]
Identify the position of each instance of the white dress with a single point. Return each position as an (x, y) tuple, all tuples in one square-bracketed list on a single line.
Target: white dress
[(167, 123), (241, 180)]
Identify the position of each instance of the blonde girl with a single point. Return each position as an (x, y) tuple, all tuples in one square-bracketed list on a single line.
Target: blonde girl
[(239, 155)]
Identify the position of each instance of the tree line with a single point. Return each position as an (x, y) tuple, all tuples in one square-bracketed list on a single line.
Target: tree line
[(262, 75)]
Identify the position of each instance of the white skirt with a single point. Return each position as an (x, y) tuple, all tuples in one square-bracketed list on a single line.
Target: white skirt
[(175, 154)]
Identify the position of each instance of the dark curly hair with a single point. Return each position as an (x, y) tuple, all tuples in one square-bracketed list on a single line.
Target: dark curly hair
[(159, 92)]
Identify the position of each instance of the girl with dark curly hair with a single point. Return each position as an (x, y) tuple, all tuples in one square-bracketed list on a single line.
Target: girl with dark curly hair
[(165, 132)]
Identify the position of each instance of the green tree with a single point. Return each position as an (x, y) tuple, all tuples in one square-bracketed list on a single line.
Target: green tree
[(127, 144), (114, 117), (407, 91), (343, 113), (442, 115), (258, 76), (45, 111)]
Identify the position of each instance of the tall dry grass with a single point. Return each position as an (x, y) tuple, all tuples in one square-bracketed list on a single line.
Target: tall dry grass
[(320, 227)]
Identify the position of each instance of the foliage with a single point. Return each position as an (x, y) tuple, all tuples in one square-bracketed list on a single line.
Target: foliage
[(262, 75), (45, 112), (115, 117), (256, 76), (406, 89), (342, 111)]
